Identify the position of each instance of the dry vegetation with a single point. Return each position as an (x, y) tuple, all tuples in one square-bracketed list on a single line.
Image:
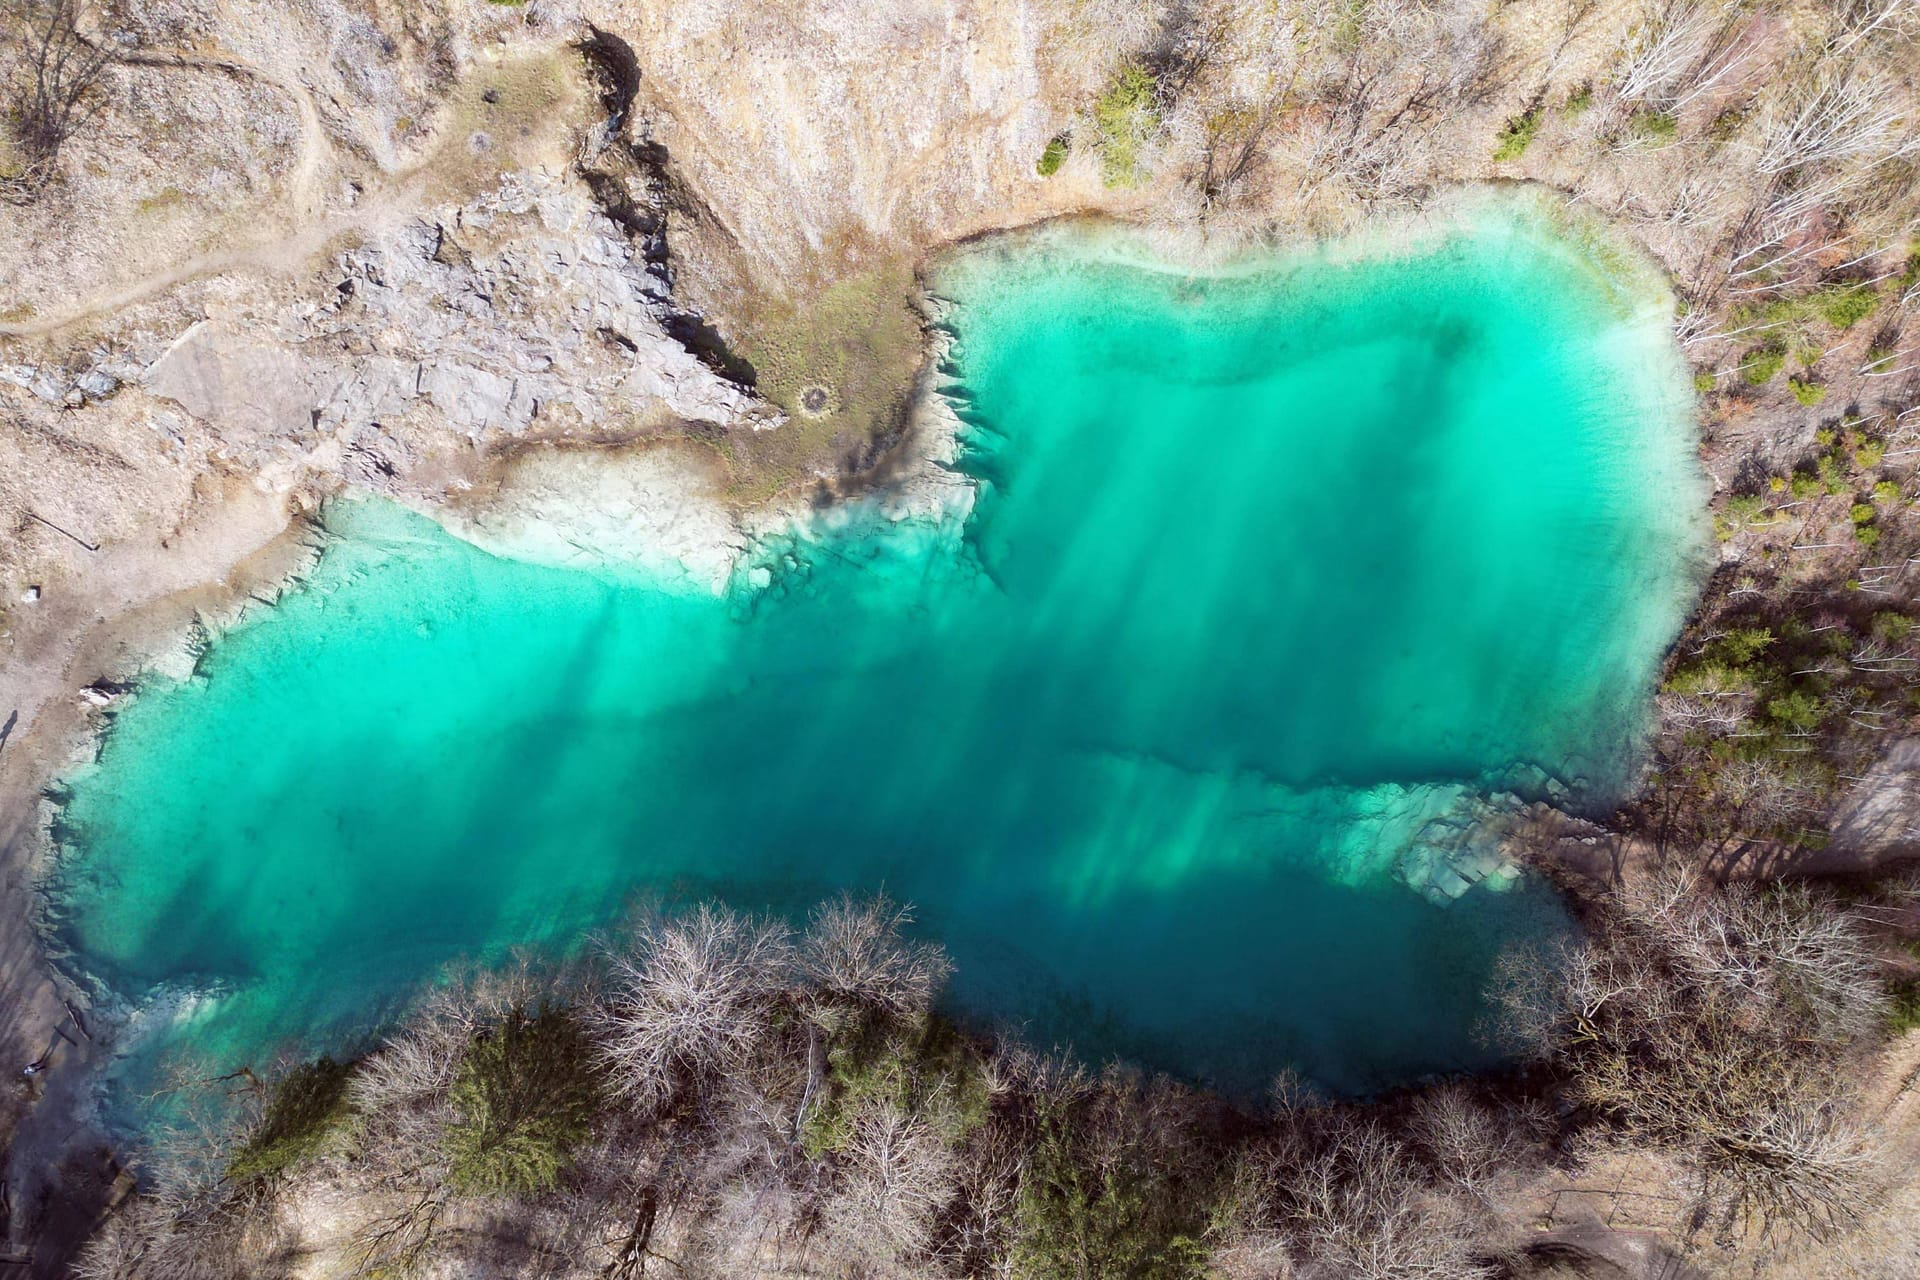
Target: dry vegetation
[(52, 89), (718, 1096)]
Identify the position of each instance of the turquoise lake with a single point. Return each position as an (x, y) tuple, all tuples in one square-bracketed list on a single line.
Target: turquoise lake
[(1272, 576)]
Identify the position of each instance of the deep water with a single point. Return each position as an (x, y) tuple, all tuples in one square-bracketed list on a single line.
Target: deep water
[(1272, 575)]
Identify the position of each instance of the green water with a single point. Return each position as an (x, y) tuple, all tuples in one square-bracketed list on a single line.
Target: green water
[(1271, 574)]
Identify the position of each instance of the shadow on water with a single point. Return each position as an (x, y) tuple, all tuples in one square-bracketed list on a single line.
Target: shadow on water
[(1149, 742)]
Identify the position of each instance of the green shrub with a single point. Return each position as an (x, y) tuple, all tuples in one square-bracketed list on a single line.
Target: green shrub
[(1868, 454), (1053, 157), (1844, 306), (1578, 103), (1862, 513), (928, 1070), (1892, 628), (523, 1097), (304, 1109), (1518, 134), (1762, 363), (1868, 534), (1903, 1007), (1102, 1198), (1805, 485), (1741, 645), (1806, 391), (1708, 676), (1704, 382), (1798, 711), (1887, 493), (1832, 476), (1126, 116)]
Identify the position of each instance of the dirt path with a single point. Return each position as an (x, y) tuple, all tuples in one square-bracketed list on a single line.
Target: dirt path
[(310, 230), (316, 151)]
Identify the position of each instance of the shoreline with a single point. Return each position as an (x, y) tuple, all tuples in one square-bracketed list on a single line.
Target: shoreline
[(216, 576)]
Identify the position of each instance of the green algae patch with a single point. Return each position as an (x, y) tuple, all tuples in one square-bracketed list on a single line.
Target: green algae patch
[(1268, 583)]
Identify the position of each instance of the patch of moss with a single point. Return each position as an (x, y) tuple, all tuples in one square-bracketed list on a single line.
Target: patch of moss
[(1578, 103), (1727, 125), (1518, 135), (1704, 382), (163, 199), (858, 337), (1652, 126)]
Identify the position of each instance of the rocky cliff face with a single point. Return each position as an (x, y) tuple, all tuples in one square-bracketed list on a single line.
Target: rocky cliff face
[(565, 274)]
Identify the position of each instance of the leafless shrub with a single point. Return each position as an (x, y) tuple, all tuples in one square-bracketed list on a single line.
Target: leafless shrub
[(855, 954), (899, 1175), (1359, 1210), (691, 998), (980, 1227), (51, 90), (1684, 50), (1763, 794), (1384, 85), (163, 1237), (1852, 23), (1843, 115), (189, 1222), (1464, 1140), (1098, 34), (1705, 1022)]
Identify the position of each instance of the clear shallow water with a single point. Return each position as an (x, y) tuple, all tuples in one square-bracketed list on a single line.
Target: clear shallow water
[(1266, 572)]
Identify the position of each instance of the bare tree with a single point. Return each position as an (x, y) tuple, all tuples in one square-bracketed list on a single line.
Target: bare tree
[(52, 89), (1360, 1211), (855, 953), (1843, 115), (1685, 50), (1706, 1022), (1465, 1141), (692, 997), (899, 1175)]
